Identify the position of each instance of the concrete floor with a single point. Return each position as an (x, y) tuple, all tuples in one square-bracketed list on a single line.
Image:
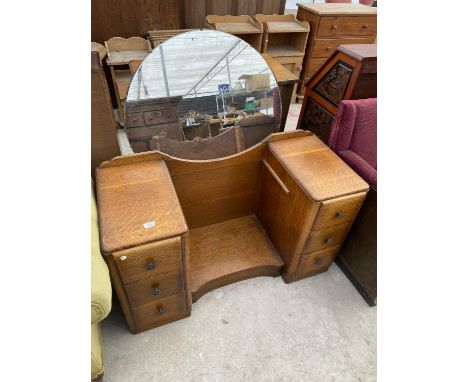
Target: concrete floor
[(317, 329)]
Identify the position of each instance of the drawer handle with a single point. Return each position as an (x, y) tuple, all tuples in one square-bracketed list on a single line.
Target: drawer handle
[(328, 240), (329, 48), (318, 261), (340, 215), (160, 310), (335, 26), (365, 26), (156, 291), (150, 266), (273, 173), (159, 113), (123, 258)]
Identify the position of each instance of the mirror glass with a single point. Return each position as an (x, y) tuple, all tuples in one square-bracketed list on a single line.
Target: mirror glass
[(202, 94)]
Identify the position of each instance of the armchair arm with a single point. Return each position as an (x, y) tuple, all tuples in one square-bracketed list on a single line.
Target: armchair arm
[(364, 169)]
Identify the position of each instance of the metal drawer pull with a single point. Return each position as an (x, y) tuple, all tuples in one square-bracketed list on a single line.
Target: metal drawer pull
[(328, 240), (159, 113), (160, 310), (123, 258), (340, 214), (273, 173), (156, 291), (150, 266)]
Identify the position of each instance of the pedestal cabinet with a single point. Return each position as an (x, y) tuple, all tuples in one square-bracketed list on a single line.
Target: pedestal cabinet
[(332, 25)]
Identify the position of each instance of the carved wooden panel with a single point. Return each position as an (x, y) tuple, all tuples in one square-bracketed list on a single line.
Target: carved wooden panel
[(317, 119), (334, 84)]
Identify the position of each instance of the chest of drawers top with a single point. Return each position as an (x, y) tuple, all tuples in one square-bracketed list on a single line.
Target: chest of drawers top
[(325, 176), (338, 9)]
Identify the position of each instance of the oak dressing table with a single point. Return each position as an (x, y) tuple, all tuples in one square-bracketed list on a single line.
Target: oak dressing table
[(172, 229)]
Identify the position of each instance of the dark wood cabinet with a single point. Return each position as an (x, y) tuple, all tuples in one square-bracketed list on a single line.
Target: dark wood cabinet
[(351, 73), (153, 117)]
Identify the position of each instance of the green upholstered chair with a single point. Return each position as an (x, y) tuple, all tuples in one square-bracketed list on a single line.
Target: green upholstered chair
[(101, 294)]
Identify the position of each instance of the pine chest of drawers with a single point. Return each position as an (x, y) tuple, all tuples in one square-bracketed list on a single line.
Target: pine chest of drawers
[(332, 25)]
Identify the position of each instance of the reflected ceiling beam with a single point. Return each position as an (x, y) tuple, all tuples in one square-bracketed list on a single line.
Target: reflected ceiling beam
[(230, 55), (163, 68)]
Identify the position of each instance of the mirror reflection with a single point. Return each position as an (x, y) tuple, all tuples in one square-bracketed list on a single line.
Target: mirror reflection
[(203, 94)]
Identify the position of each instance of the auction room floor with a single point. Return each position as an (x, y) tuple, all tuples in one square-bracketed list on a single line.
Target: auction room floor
[(317, 329)]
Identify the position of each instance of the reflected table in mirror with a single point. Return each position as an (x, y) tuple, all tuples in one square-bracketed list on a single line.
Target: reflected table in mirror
[(203, 94)]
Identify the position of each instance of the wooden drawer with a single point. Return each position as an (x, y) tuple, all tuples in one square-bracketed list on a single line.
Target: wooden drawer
[(326, 47), (154, 288), (159, 310), (134, 120), (160, 116), (150, 260), (347, 26), (326, 238), (317, 262), (338, 211)]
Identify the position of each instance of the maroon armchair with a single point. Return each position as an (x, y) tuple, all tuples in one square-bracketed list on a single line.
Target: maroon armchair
[(353, 137)]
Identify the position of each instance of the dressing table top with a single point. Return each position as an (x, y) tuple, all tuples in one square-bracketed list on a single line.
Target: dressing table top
[(325, 176), (137, 205)]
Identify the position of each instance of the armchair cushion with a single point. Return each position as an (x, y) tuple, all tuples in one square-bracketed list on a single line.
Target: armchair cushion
[(355, 128), (354, 137), (101, 290)]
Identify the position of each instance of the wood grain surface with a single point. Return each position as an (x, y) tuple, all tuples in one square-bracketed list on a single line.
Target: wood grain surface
[(131, 196), (228, 252), (325, 176)]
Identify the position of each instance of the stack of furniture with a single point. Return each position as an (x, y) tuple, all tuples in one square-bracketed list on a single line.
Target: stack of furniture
[(120, 52), (241, 26), (104, 144), (157, 37), (351, 73), (332, 25), (284, 39), (101, 295), (173, 229), (354, 139), (286, 83)]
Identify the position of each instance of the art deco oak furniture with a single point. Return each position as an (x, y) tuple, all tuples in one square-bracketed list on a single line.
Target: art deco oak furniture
[(351, 73), (332, 25), (172, 229), (354, 139)]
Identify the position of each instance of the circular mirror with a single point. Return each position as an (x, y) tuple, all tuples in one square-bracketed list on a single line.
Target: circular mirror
[(202, 94)]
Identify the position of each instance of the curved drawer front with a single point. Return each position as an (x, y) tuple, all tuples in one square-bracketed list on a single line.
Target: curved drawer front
[(150, 260), (159, 310), (338, 211), (154, 288), (317, 262), (327, 237)]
